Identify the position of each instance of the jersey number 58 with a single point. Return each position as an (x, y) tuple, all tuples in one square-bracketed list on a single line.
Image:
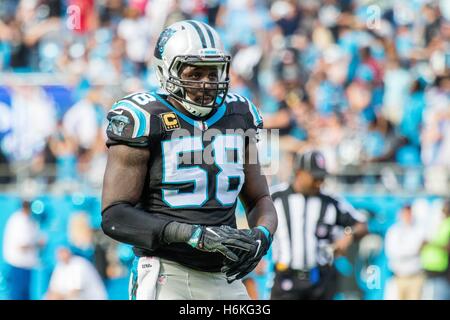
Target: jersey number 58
[(198, 176)]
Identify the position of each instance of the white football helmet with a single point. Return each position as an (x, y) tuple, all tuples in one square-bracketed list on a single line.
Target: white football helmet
[(191, 42)]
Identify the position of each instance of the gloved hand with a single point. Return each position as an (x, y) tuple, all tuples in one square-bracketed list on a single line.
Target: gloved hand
[(248, 260), (224, 239)]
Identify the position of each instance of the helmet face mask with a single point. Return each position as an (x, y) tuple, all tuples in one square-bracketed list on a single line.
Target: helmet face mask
[(180, 88), (181, 45)]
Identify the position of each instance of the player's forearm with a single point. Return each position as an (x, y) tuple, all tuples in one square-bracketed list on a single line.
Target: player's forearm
[(360, 230), (124, 223), (264, 214)]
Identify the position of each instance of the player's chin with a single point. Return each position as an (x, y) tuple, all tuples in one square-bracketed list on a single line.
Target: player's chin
[(208, 100)]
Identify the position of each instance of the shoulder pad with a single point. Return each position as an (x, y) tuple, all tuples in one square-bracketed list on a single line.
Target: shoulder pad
[(142, 99), (129, 118), (245, 106), (125, 112)]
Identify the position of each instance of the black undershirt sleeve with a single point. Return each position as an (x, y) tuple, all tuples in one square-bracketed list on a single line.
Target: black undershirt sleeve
[(125, 223)]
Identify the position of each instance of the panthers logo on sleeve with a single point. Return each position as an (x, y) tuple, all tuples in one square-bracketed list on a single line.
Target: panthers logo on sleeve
[(129, 122), (118, 123)]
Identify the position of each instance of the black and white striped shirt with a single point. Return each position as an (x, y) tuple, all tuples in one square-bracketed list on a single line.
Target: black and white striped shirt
[(307, 226)]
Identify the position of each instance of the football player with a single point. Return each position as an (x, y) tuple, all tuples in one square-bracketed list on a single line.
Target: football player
[(177, 162)]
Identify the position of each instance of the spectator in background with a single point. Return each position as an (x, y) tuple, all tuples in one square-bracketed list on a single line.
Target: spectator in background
[(435, 260), (378, 138), (432, 22), (436, 132), (212, 8), (84, 123), (134, 29), (286, 15), (411, 123), (404, 148), (289, 70), (75, 278), (33, 119), (369, 74), (60, 151), (82, 120), (397, 81), (39, 29), (81, 235), (21, 244), (403, 242), (284, 118), (93, 161), (245, 24), (292, 133)]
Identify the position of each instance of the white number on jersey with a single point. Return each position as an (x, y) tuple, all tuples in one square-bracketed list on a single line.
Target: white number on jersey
[(173, 174)]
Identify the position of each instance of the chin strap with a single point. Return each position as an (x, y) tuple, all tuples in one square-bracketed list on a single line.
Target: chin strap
[(196, 110)]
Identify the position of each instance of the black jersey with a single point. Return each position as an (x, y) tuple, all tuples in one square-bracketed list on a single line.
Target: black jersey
[(195, 171)]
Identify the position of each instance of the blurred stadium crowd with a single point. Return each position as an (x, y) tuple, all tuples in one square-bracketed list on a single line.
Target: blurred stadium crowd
[(366, 82)]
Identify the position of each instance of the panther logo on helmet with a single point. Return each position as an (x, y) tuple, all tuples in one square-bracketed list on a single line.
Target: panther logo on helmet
[(163, 38)]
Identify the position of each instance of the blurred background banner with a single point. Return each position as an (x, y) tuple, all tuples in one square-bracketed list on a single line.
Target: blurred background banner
[(365, 82)]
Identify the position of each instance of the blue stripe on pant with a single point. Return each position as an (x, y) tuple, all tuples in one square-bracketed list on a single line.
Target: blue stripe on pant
[(134, 283)]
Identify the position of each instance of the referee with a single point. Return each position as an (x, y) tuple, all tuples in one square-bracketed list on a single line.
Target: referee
[(309, 223)]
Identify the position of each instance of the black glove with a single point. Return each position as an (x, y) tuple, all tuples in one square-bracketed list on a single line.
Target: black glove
[(223, 239), (248, 260)]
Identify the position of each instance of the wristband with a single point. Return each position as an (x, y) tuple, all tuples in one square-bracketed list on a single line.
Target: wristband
[(195, 237), (266, 232)]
